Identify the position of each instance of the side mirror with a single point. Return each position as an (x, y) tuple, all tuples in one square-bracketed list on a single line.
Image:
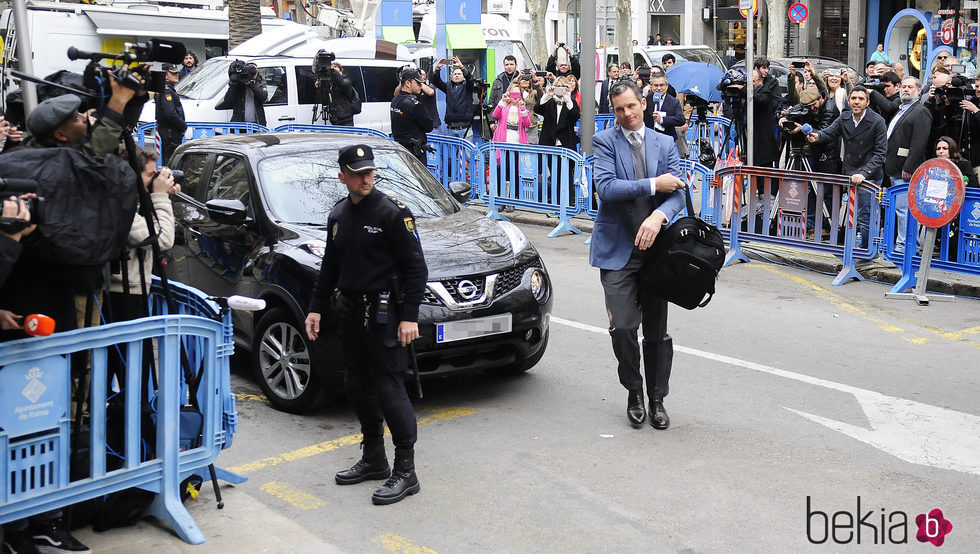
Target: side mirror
[(227, 211), (460, 190)]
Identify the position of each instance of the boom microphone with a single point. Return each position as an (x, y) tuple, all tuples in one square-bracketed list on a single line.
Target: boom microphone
[(38, 325)]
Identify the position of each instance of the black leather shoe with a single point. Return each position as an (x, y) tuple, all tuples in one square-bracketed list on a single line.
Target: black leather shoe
[(635, 412), (658, 415)]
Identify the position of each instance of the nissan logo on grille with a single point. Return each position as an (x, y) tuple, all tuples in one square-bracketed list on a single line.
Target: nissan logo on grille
[(467, 289)]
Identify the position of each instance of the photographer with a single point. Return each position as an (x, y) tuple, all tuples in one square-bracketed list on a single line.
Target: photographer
[(170, 113), (246, 94), (568, 65), (971, 151), (343, 100), (459, 94), (885, 96), (409, 120), (130, 280), (10, 248)]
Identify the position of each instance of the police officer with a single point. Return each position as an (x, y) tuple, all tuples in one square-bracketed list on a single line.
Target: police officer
[(373, 275), (409, 120), (170, 114)]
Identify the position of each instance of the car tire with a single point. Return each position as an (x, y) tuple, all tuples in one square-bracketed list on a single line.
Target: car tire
[(283, 365), (524, 365)]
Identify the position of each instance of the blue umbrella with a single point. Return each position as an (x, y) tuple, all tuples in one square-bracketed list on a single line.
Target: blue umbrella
[(697, 78)]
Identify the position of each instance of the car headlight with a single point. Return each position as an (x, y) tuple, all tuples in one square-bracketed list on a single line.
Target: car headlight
[(517, 239), (539, 286), (316, 247)]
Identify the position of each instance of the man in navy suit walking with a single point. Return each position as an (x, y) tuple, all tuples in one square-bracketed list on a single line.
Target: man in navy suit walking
[(637, 177)]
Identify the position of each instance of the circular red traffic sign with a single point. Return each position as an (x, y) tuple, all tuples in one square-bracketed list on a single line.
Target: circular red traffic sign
[(798, 13), (936, 192)]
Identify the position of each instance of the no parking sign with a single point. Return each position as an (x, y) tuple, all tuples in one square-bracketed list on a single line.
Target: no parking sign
[(936, 192)]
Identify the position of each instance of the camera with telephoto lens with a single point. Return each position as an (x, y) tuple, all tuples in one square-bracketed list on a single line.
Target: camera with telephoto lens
[(796, 115), (732, 86), (875, 84), (9, 187), (950, 95), (178, 175)]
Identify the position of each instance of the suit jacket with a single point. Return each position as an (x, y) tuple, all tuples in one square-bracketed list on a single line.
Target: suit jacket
[(616, 184), (602, 95), (674, 117), (555, 127), (864, 146), (909, 141)]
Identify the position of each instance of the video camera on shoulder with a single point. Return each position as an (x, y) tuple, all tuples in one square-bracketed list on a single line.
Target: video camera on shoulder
[(97, 77), (241, 73), (952, 94)]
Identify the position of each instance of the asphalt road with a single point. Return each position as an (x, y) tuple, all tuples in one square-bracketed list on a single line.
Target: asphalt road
[(784, 391)]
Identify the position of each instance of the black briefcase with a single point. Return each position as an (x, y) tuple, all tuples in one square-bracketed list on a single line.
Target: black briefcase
[(682, 265)]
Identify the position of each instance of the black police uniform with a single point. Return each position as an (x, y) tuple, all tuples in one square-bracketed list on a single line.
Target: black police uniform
[(170, 121), (369, 243), (409, 123)]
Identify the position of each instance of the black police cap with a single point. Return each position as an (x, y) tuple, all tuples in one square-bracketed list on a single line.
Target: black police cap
[(356, 158)]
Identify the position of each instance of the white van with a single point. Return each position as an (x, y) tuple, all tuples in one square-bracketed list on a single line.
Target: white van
[(284, 58)]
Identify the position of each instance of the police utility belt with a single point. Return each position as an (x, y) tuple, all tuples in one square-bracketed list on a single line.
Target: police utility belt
[(368, 307)]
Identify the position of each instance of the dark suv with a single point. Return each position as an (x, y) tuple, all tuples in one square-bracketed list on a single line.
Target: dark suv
[(251, 220)]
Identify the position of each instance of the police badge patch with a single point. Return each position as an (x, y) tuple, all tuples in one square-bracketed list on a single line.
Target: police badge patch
[(333, 232), (410, 225), (169, 98)]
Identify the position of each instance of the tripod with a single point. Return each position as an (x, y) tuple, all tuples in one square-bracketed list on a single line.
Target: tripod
[(737, 106), (702, 135), (321, 110)]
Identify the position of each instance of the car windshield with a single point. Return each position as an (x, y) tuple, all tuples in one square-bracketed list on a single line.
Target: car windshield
[(207, 81), (704, 55), (302, 187)]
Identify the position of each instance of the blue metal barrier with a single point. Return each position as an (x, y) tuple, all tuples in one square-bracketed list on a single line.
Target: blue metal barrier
[(307, 128), (35, 441), (198, 129), (604, 121), (455, 159), (542, 178), (783, 220), (958, 253)]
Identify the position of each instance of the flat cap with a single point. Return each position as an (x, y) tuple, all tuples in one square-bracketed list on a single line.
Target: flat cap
[(809, 95), (356, 158), (52, 113)]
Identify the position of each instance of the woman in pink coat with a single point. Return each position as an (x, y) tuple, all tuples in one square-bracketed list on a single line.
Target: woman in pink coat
[(513, 119)]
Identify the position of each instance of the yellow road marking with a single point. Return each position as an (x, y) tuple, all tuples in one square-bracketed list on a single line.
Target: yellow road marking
[(244, 397), (393, 543), (446, 414), (857, 310), (291, 495)]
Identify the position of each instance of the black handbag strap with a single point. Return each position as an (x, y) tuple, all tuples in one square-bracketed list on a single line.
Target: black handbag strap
[(690, 203)]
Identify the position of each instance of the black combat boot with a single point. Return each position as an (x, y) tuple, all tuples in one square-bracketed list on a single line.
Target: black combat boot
[(372, 465), (402, 482)]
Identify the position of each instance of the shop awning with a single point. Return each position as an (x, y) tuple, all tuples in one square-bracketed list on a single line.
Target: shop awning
[(465, 37), (399, 34)]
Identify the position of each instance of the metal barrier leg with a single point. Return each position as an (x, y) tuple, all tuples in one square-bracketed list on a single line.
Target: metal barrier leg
[(908, 280), (849, 271), (167, 505), (229, 476)]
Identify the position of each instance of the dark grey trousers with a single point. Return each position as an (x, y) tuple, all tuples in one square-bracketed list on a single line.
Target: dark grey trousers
[(627, 308)]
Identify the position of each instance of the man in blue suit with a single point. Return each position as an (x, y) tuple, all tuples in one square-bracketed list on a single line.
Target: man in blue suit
[(663, 113), (637, 177)]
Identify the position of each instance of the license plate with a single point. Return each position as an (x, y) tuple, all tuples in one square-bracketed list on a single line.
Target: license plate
[(471, 328)]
